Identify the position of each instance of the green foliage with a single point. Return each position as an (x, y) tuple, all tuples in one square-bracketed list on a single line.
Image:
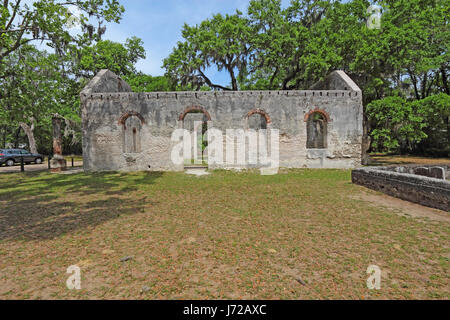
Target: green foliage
[(145, 83), (35, 84), (436, 112), (221, 41), (106, 54), (49, 20), (394, 123), (273, 48), (410, 54), (399, 125), (34, 92)]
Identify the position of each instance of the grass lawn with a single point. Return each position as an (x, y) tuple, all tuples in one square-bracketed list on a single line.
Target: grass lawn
[(302, 234)]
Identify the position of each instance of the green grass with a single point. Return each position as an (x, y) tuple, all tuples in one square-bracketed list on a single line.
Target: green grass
[(224, 236)]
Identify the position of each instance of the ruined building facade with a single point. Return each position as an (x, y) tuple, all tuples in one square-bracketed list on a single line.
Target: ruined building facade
[(127, 131)]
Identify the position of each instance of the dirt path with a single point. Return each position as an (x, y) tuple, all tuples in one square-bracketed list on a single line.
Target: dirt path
[(403, 208), (32, 168), (404, 160)]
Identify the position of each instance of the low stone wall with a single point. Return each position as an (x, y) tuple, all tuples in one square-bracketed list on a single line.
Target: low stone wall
[(438, 172), (430, 192)]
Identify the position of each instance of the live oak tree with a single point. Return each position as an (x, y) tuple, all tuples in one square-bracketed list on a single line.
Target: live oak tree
[(221, 41), (270, 47), (36, 84), (32, 81), (43, 84), (31, 93), (51, 20), (401, 67), (407, 125), (408, 60)]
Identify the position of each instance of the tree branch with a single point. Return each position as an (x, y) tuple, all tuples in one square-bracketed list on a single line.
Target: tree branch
[(16, 7), (212, 85)]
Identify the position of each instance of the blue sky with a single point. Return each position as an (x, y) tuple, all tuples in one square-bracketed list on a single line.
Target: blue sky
[(159, 22)]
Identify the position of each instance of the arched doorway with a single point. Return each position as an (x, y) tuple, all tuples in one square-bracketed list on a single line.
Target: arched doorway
[(195, 119), (257, 142)]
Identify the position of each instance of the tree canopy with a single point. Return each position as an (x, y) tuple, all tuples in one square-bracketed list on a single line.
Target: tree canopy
[(272, 47), (51, 20)]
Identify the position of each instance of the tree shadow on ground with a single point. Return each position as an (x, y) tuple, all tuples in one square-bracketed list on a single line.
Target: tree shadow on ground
[(35, 210)]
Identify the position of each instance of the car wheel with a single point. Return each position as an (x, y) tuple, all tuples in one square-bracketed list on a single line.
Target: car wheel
[(10, 163), (38, 161)]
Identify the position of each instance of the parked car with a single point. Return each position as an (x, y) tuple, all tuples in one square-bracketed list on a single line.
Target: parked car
[(13, 156)]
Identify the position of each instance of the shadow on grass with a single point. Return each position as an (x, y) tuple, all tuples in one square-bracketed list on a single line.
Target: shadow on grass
[(33, 208)]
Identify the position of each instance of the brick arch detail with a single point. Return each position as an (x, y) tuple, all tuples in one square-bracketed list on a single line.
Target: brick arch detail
[(128, 114), (317, 110), (260, 112), (194, 108)]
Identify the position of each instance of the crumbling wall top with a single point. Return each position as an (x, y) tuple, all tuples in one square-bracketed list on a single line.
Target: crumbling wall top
[(106, 82), (337, 80)]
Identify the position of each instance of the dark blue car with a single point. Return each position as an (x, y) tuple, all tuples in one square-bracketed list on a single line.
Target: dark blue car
[(13, 156)]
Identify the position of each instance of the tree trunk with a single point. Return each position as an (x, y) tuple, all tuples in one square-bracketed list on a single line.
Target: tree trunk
[(414, 81), (29, 131), (234, 83), (444, 80), (4, 133), (366, 141), (17, 137)]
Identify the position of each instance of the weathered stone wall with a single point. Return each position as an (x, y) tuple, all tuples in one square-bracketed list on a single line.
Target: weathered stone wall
[(430, 192), (161, 113), (437, 172)]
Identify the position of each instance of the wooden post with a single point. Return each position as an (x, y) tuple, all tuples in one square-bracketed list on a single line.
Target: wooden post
[(22, 165)]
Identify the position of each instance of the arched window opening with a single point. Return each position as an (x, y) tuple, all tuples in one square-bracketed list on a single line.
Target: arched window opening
[(317, 127), (257, 119), (132, 137), (257, 122)]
